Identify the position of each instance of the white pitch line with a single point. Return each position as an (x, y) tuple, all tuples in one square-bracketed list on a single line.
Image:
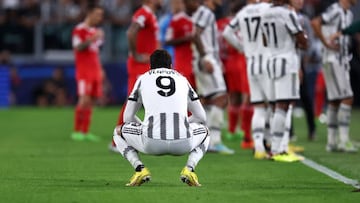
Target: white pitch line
[(333, 174)]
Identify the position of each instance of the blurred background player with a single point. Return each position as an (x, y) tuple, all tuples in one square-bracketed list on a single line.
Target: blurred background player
[(283, 33), (239, 108), (180, 35), (166, 97), (305, 97), (248, 22), (143, 39), (336, 69), (207, 67), (86, 39)]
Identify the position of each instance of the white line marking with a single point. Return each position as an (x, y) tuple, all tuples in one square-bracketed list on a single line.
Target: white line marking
[(333, 174)]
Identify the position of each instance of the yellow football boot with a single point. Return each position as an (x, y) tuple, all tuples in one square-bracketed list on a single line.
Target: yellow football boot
[(140, 177), (189, 177), (286, 157), (260, 155)]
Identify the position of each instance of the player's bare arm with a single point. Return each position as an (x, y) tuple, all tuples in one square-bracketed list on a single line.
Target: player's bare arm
[(301, 40), (316, 25), (132, 35), (85, 44)]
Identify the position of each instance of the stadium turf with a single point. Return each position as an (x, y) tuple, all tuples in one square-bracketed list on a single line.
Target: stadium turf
[(40, 163)]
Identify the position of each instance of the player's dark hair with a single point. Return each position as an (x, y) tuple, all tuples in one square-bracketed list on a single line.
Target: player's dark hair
[(92, 6), (160, 59), (235, 6)]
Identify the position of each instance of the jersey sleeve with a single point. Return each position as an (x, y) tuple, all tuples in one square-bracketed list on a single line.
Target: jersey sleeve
[(192, 95), (135, 93), (330, 14), (140, 18), (292, 22), (235, 23), (203, 19)]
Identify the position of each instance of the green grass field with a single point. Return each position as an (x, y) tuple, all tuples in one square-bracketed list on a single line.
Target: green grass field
[(40, 163)]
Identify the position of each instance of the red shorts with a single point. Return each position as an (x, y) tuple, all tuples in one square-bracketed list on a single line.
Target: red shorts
[(86, 87), (235, 75)]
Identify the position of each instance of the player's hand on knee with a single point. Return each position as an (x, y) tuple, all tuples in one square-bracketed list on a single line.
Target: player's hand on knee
[(206, 66)]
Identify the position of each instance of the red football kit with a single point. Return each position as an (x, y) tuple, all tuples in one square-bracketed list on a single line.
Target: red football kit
[(182, 26), (88, 71), (146, 43), (234, 63)]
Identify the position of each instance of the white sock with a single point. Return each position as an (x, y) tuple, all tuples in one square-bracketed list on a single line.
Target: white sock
[(215, 121), (344, 115), (197, 154), (128, 152), (277, 130), (258, 128), (332, 124), (268, 120), (284, 146)]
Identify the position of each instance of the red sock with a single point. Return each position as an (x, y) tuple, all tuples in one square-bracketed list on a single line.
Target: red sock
[(233, 113), (78, 118), (246, 112), (121, 115), (319, 94), (87, 119)]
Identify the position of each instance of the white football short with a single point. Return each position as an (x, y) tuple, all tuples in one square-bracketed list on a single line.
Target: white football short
[(337, 80), (209, 84), (135, 135), (287, 87), (261, 88)]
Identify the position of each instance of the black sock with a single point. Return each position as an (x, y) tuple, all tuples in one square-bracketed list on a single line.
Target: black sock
[(139, 168), (191, 168)]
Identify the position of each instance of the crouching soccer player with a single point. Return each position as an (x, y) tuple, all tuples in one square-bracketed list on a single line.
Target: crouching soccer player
[(166, 129)]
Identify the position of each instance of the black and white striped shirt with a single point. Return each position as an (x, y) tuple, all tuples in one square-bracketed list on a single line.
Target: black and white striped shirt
[(280, 25), (334, 19), (248, 22), (205, 19), (166, 97)]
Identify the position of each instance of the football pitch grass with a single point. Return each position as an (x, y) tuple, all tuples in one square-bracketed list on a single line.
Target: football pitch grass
[(40, 163)]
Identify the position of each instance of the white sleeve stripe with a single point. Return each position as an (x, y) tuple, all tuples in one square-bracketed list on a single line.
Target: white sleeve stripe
[(140, 20), (76, 41)]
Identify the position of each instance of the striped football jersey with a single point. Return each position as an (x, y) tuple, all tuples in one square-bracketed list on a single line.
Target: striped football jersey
[(165, 95)]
